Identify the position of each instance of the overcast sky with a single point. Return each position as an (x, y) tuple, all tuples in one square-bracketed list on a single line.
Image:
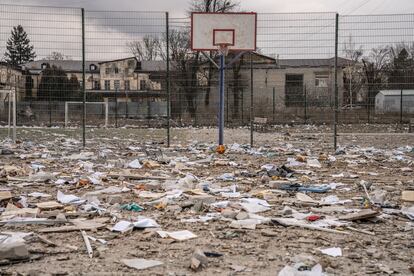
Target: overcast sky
[(282, 34), (178, 7)]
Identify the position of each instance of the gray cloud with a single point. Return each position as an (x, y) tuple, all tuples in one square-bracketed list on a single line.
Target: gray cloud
[(298, 35), (178, 7)]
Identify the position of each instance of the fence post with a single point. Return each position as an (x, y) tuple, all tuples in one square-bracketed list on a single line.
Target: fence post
[(167, 50), (9, 118), (401, 107), (50, 108), (274, 104), (227, 107), (242, 107), (251, 99), (336, 82), (14, 113), (83, 81), (116, 108), (306, 104)]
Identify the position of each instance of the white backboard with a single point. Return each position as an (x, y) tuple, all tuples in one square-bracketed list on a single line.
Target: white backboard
[(236, 30)]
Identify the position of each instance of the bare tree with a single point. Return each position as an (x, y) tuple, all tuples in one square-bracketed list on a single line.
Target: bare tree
[(375, 68), (213, 6), (353, 75), (57, 56), (146, 49), (401, 71)]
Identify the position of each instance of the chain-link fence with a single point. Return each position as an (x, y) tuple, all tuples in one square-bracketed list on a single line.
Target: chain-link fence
[(378, 73), (90, 70)]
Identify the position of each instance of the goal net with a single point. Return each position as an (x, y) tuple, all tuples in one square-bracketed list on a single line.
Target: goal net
[(68, 104)]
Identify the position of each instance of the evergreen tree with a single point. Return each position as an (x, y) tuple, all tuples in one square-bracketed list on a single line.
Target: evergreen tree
[(18, 48), (56, 86)]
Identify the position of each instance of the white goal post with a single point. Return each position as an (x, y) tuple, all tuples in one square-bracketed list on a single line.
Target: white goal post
[(12, 115), (90, 103)]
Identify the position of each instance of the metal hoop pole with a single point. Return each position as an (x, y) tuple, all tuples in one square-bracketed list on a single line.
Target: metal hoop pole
[(221, 105)]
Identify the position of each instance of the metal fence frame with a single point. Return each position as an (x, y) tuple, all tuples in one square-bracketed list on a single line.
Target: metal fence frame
[(309, 25)]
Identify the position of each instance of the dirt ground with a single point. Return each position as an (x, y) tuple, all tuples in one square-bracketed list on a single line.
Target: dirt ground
[(382, 157)]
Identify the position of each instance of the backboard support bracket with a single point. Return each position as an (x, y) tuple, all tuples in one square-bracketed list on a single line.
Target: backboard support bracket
[(210, 59)]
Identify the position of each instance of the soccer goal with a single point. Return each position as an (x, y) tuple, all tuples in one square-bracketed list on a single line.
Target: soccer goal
[(10, 95), (105, 104)]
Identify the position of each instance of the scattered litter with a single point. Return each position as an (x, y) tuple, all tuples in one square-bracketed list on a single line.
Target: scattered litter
[(296, 187), (198, 259), (407, 196), (135, 164), (333, 251), (69, 199), (14, 251), (87, 244), (122, 226), (49, 205), (39, 195), (177, 235), (314, 163), (300, 271), (285, 193), (5, 195), (363, 214), (141, 263), (132, 207)]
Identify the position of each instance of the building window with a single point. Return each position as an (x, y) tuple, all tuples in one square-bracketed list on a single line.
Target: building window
[(294, 96), (96, 85), (127, 85), (107, 85), (43, 66), (108, 71), (116, 70), (92, 67), (80, 84), (321, 79), (143, 85), (117, 84)]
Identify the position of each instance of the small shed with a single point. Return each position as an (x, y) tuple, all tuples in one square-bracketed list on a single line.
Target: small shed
[(389, 101)]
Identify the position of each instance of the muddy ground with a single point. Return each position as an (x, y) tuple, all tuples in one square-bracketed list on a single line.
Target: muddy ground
[(381, 156)]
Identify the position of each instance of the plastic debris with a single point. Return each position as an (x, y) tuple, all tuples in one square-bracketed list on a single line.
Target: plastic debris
[(132, 207)]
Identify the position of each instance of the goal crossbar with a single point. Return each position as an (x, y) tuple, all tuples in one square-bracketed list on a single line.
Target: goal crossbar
[(80, 103)]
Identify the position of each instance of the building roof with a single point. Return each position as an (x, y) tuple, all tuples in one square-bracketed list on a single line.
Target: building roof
[(14, 67), (406, 92), (144, 65), (66, 65), (312, 63), (153, 65)]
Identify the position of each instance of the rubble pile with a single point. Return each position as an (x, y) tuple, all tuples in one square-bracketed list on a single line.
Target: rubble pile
[(125, 206)]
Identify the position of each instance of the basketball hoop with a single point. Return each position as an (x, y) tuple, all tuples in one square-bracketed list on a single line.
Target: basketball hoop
[(223, 32), (224, 49)]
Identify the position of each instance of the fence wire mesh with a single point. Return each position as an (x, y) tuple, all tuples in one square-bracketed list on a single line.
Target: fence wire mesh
[(34, 43), (378, 73), (126, 72), (290, 79)]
